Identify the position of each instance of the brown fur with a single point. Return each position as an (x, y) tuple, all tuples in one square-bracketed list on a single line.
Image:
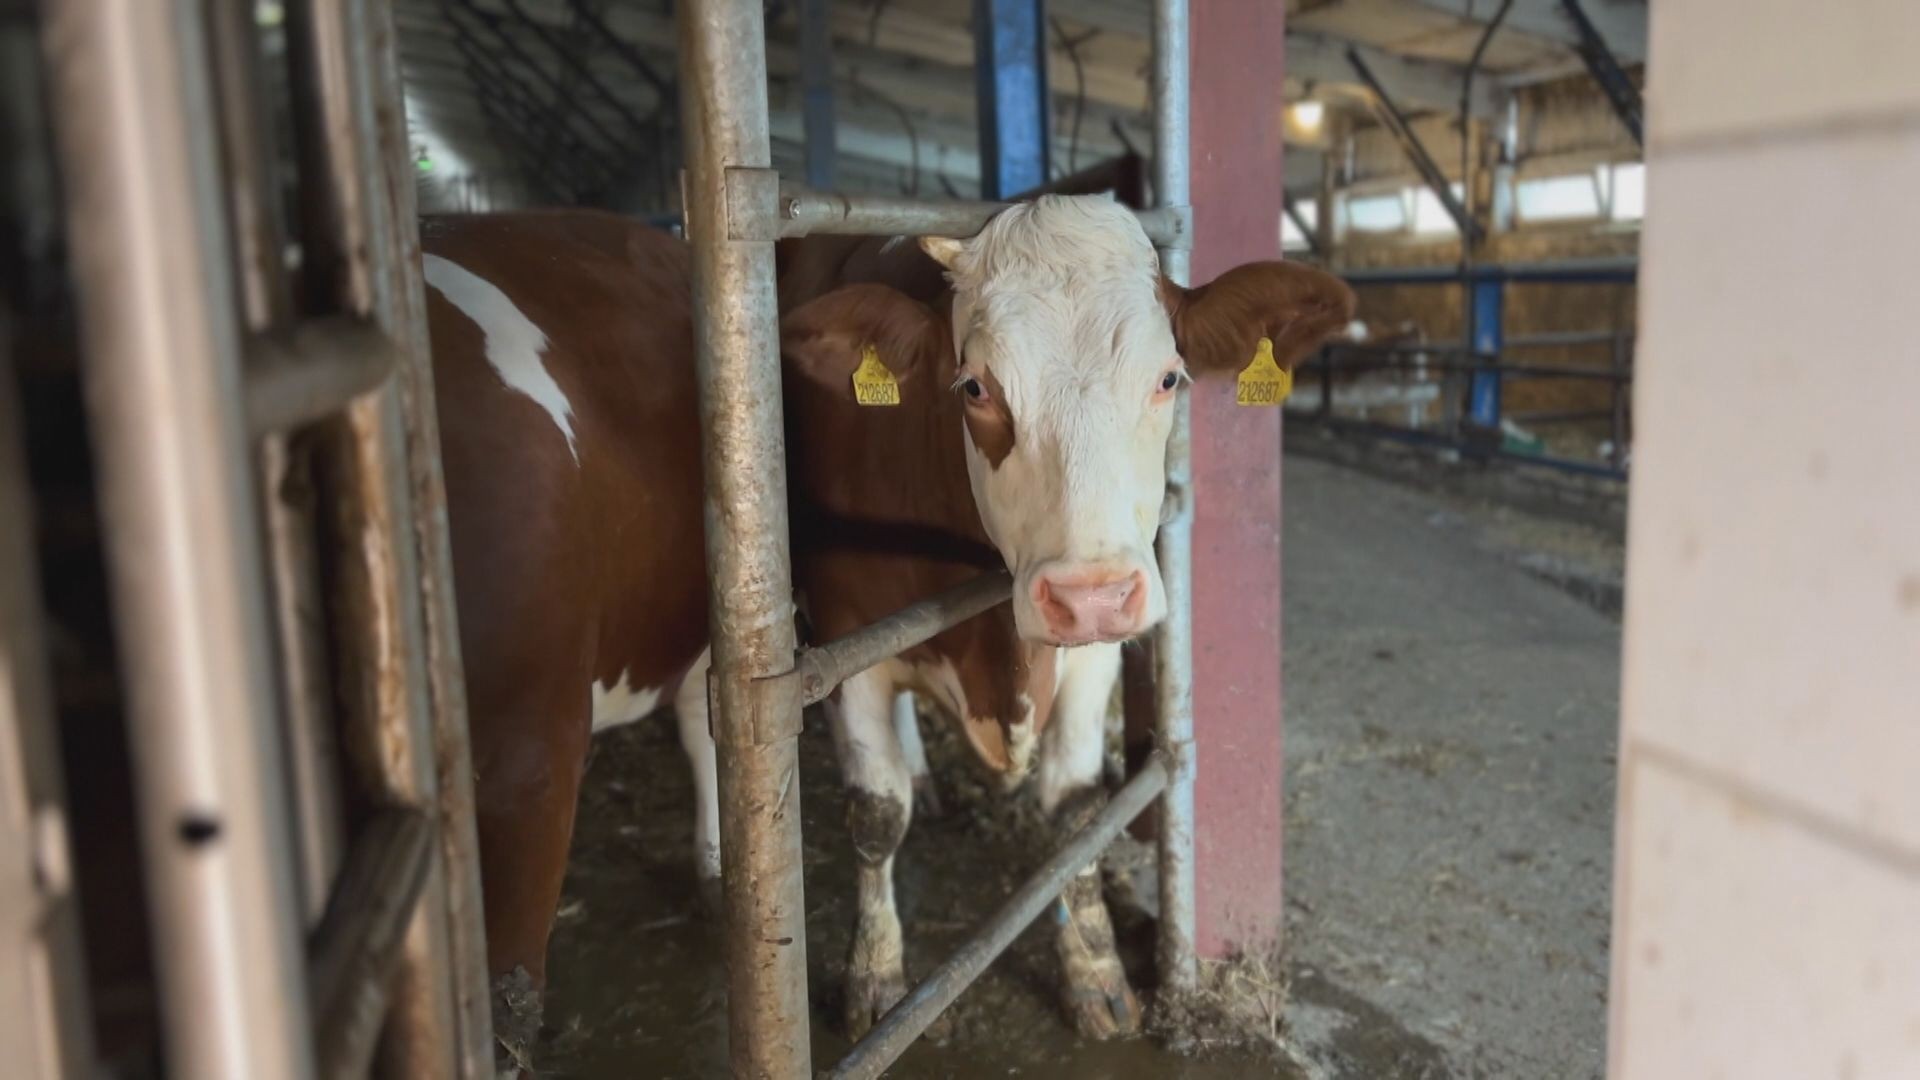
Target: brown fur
[(568, 575)]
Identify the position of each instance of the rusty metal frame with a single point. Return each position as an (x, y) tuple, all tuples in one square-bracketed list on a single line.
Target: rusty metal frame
[(735, 210), (217, 388)]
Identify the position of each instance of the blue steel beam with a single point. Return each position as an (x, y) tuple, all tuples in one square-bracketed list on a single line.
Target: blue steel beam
[(816, 88), (1010, 68), (1489, 325), (1606, 70)]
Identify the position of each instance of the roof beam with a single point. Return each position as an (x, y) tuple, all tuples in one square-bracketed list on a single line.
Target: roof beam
[(1418, 83), (1623, 23)]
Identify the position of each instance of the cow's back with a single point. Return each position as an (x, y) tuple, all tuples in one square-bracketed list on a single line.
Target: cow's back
[(570, 434)]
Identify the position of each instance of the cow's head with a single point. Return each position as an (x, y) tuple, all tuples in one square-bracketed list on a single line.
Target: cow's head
[(1067, 347)]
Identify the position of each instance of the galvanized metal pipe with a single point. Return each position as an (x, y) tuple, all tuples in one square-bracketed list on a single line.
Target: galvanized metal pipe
[(162, 360), (313, 370), (1173, 644), (809, 213), (826, 666), (756, 716), (897, 1030)]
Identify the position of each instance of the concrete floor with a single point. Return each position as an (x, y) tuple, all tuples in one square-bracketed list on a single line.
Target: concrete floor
[(1451, 716)]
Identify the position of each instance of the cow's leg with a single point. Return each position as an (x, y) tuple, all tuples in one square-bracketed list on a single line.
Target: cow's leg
[(529, 756), (879, 807), (906, 725), (1094, 986), (696, 738)]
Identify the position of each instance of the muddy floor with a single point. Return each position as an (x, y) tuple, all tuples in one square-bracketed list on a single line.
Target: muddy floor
[(1451, 698), (637, 983)]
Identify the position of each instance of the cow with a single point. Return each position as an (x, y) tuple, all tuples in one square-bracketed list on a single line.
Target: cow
[(1037, 366)]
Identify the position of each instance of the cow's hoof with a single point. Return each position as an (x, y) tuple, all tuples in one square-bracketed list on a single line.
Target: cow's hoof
[(869, 1001), (926, 799), (869, 997), (1104, 1012)]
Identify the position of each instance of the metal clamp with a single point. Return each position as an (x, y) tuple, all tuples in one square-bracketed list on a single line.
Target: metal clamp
[(753, 204)]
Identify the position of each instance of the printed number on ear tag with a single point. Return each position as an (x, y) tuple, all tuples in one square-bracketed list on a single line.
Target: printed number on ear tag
[(873, 384), (1263, 382)]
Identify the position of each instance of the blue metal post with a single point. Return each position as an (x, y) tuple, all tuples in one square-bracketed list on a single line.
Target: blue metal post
[(1483, 393), (1010, 68), (816, 83)]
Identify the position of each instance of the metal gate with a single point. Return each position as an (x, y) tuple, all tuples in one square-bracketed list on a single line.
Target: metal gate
[(268, 470), (735, 209)]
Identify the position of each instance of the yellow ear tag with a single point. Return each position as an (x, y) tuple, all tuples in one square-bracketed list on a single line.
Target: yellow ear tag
[(873, 384), (1263, 382)]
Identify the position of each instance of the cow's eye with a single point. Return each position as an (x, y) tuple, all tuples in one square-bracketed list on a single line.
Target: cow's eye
[(971, 387), (1170, 380)]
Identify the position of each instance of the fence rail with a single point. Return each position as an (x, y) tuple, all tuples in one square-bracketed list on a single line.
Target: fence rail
[(735, 204)]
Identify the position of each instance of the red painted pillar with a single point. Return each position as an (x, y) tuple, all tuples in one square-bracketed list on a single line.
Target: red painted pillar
[(1238, 50)]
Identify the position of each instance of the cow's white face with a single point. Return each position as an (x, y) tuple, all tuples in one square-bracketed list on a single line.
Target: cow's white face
[(1066, 348), (1068, 371)]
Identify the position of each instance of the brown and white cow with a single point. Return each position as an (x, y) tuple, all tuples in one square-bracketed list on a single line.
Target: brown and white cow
[(1036, 399)]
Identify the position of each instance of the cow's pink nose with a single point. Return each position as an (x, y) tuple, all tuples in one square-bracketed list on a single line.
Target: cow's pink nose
[(1083, 608)]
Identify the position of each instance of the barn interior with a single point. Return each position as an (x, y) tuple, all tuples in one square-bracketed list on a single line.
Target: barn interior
[(1474, 169), (1453, 571)]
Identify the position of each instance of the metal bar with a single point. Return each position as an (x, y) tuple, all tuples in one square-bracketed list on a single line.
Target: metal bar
[(313, 370), (1606, 71), (1173, 641), (285, 480), (1425, 438), (1620, 270), (897, 1030), (44, 1007), (1505, 371), (1397, 125), (359, 939), (1550, 339), (1487, 322), (826, 666), (1559, 416), (361, 254), (1010, 73), (163, 355), (723, 61), (816, 82), (1617, 425), (405, 309), (809, 213), (1292, 207)]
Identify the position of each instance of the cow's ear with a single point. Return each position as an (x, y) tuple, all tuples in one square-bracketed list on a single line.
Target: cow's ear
[(1218, 326), (827, 338)]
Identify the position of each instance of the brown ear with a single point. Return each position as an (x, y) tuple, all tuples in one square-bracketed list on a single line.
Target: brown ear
[(824, 338), (1219, 325)]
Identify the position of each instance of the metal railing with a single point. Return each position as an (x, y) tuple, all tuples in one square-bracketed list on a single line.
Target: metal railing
[(283, 947), (735, 209), (1483, 359)]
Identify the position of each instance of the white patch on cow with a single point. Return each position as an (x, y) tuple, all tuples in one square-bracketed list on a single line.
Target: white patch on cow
[(1076, 732), (1021, 741), (906, 726), (696, 738), (622, 703), (1059, 299), (514, 343)]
